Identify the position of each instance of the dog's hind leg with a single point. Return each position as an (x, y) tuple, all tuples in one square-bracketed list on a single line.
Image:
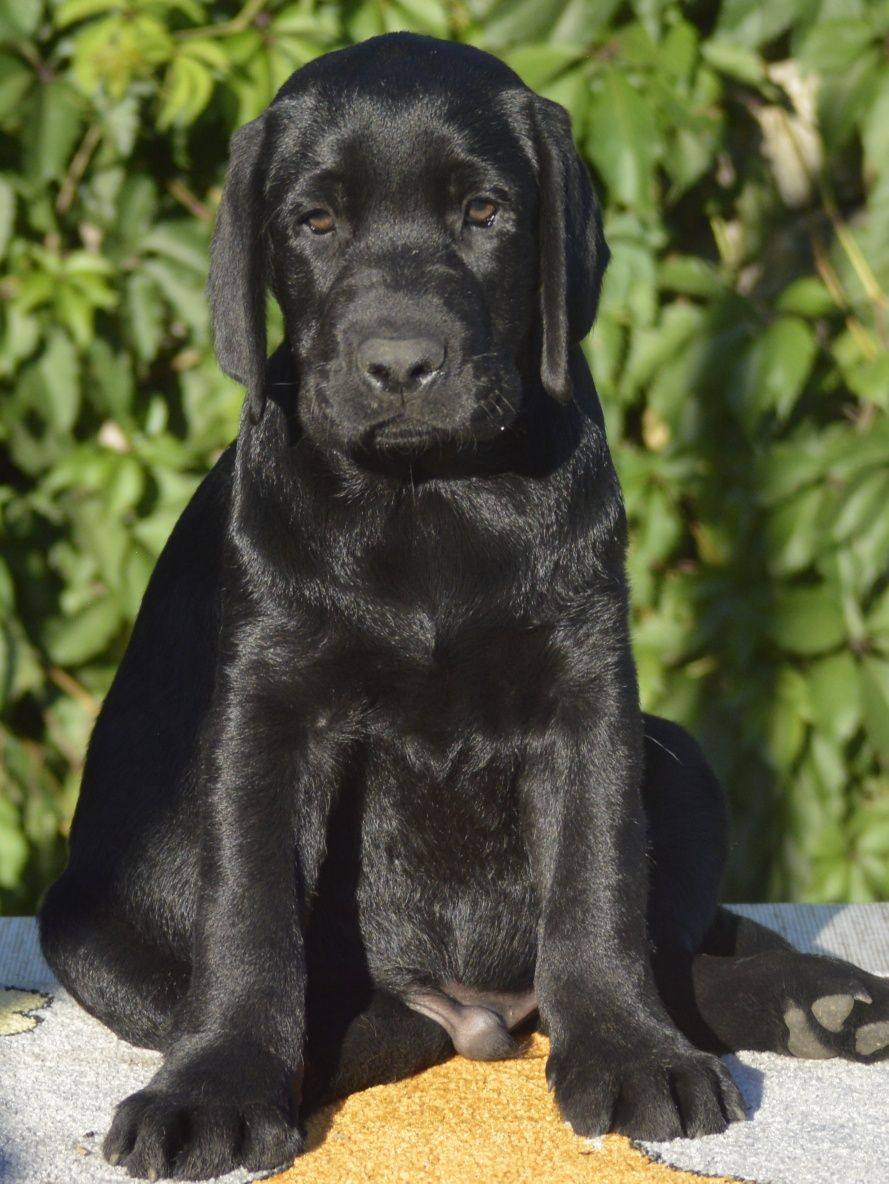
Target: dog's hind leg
[(753, 990), (355, 1041), (729, 982), (110, 968)]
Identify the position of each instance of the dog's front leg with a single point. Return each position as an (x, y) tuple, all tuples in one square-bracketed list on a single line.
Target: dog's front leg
[(228, 1090), (617, 1062)]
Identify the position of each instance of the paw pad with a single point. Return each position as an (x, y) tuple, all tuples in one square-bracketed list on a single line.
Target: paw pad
[(832, 1011), (871, 1038), (801, 1040)]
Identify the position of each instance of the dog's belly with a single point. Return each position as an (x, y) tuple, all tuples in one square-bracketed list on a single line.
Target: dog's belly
[(428, 878)]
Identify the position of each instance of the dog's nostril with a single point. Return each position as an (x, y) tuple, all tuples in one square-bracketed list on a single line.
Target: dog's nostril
[(400, 364), (379, 374), (421, 370)]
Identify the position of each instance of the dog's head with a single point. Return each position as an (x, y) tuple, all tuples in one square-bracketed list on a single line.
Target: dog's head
[(430, 234)]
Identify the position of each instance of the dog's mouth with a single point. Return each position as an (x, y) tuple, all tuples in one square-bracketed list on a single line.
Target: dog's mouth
[(402, 431), (402, 443)]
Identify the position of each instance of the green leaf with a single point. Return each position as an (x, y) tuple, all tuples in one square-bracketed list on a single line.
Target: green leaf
[(794, 532), (122, 122), (835, 695), (71, 11), (125, 488), (423, 16), (826, 758), (690, 275), (84, 466), (845, 97), (807, 620), (513, 21), (776, 370), (875, 130), (15, 82), (364, 21), (652, 347), (7, 663), (135, 575), (624, 142), (678, 52), (184, 291), (870, 380), (864, 500), (110, 385), (136, 212), (631, 283), (73, 640), (60, 372), (735, 60), (875, 693), (55, 125), (187, 90), (878, 622), (13, 846), (75, 313), (112, 52), (807, 297), (184, 242), (19, 19), (833, 46), (750, 22), (786, 720), (539, 64), (145, 315), (7, 215), (851, 452), (788, 466)]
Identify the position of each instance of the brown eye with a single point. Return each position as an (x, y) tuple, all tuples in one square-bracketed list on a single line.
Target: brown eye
[(481, 211), (320, 221)]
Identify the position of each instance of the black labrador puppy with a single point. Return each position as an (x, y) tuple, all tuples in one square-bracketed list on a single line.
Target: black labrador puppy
[(372, 783)]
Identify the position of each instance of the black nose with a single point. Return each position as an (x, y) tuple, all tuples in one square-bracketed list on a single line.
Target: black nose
[(400, 365)]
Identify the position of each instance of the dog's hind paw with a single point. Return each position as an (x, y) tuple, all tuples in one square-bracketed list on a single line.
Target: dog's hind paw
[(848, 1016)]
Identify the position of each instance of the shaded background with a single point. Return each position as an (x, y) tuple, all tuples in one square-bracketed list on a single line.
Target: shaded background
[(742, 153)]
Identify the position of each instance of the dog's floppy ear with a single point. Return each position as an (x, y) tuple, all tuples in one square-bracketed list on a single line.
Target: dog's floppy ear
[(237, 271), (573, 254)]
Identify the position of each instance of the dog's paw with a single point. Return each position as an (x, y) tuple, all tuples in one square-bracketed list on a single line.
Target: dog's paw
[(667, 1090), (833, 1009), (205, 1115)]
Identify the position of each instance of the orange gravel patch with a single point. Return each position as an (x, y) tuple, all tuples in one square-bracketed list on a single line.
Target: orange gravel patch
[(467, 1122)]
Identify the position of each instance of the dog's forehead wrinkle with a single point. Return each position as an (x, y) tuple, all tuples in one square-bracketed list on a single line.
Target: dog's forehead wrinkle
[(373, 139)]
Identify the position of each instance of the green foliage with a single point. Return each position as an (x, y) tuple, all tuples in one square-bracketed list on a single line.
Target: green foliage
[(742, 352)]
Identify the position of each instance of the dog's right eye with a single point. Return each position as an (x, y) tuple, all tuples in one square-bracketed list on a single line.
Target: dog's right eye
[(320, 221), (481, 211)]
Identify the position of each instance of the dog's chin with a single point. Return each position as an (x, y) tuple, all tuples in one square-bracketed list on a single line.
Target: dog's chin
[(409, 436)]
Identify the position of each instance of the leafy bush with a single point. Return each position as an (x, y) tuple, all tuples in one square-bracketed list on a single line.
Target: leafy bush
[(742, 151)]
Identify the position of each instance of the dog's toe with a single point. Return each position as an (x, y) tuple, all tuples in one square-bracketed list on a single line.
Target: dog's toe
[(872, 1038), (832, 1011), (803, 1038)]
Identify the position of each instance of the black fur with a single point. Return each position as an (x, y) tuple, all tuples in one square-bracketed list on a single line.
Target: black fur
[(375, 753)]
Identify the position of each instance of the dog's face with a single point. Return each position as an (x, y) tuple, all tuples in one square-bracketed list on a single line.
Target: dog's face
[(430, 234)]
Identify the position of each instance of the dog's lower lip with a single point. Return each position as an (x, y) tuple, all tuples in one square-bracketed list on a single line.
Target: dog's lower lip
[(397, 428)]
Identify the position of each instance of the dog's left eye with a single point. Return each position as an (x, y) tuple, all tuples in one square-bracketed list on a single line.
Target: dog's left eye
[(320, 221), (481, 211)]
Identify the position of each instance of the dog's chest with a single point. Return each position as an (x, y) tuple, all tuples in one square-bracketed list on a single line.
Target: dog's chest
[(445, 884), (441, 673)]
